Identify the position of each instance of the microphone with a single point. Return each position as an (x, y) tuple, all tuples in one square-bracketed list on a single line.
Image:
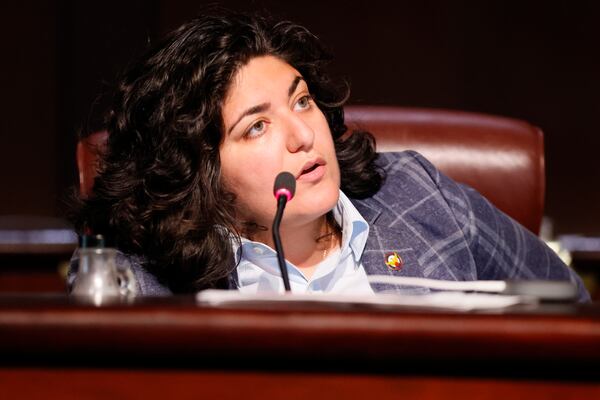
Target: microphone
[(283, 190)]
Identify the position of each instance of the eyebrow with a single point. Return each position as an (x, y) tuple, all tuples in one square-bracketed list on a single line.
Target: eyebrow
[(265, 106), (252, 110), (294, 85)]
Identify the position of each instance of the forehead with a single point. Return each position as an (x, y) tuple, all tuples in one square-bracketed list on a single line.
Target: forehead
[(258, 80)]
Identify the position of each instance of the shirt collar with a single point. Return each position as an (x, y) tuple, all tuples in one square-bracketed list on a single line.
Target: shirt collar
[(355, 231)]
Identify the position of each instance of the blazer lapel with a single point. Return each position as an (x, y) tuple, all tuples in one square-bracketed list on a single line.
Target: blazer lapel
[(385, 245)]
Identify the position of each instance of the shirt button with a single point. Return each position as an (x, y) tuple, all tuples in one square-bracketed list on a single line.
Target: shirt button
[(258, 250)]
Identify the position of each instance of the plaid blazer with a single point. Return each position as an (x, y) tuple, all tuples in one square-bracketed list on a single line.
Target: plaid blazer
[(440, 229)]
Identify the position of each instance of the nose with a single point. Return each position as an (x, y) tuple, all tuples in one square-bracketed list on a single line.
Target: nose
[(300, 134)]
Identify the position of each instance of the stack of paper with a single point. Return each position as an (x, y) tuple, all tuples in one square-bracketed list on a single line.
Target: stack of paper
[(442, 300)]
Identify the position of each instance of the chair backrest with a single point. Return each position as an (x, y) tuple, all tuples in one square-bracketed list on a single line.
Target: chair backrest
[(89, 149), (502, 158)]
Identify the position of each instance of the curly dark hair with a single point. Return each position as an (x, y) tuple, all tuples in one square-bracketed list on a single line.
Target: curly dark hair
[(159, 192)]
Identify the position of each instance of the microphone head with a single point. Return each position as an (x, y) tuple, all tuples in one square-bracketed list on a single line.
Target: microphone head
[(285, 185)]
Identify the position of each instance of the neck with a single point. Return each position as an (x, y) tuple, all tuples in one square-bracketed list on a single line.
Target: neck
[(306, 245)]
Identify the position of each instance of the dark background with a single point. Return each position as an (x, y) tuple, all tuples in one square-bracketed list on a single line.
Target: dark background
[(532, 60)]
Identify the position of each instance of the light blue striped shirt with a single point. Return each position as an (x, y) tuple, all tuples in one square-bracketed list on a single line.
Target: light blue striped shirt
[(341, 272)]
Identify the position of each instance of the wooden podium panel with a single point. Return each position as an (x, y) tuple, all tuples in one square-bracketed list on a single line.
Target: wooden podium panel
[(183, 384), (173, 348)]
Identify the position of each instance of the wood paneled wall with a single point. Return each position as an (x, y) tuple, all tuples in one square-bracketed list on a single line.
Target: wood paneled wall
[(533, 60)]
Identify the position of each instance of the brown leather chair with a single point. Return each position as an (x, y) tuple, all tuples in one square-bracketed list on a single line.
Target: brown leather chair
[(500, 157), (89, 149)]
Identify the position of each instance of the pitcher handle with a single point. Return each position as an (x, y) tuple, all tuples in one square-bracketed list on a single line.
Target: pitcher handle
[(127, 283)]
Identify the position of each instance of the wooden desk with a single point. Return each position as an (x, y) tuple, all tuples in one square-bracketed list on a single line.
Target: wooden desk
[(52, 347), (34, 253)]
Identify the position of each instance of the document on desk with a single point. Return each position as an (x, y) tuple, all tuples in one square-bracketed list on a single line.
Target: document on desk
[(440, 300)]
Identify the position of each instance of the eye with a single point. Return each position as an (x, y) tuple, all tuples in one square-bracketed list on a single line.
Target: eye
[(256, 130), (303, 102)]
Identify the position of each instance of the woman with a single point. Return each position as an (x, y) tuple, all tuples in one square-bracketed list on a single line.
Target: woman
[(201, 126)]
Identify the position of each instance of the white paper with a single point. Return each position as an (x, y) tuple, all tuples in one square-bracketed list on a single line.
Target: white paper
[(462, 286), (441, 300)]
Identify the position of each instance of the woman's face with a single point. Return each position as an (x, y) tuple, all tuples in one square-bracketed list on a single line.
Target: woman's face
[(271, 125)]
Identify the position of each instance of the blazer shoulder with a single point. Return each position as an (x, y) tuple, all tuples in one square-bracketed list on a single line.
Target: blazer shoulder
[(393, 163), (407, 173), (414, 185)]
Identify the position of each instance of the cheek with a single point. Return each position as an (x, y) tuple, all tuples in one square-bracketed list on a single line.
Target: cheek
[(327, 149), (245, 167), (249, 176)]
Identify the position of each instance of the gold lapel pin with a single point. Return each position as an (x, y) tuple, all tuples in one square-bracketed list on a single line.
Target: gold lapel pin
[(393, 261)]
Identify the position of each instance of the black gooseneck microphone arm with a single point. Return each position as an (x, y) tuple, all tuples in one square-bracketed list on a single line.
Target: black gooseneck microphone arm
[(281, 202), (283, 190)]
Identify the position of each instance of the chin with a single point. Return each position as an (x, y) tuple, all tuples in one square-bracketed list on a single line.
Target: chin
[(315, 205)]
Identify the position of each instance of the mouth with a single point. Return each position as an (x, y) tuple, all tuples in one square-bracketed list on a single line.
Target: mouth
[(312, 170), (309, 169)]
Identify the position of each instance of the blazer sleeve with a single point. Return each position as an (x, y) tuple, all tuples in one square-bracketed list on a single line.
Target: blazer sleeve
[(501, 247)]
